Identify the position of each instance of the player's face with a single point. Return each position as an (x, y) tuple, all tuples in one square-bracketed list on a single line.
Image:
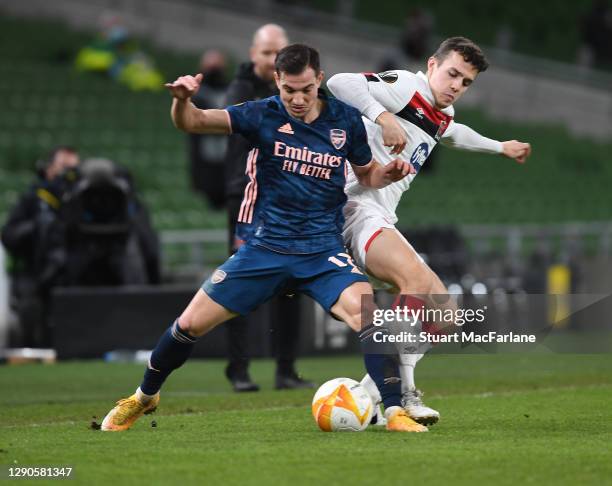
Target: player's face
[(449, 79), (298, 92), (263, 55)]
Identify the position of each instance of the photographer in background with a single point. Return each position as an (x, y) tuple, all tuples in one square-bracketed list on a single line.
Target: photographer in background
[(80, 224), (107, 230), (33, 238)]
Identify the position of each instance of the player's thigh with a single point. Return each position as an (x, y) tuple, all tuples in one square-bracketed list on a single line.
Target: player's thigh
[(203, 314), (361, 228), (246, 280), (327, 278), (392, 259), (354, 305)]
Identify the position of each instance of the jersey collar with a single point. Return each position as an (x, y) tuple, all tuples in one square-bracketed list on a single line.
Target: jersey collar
[(329, 111), (426, 90)]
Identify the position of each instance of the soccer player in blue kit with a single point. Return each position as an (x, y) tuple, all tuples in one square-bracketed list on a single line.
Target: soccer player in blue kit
[(303, 141)]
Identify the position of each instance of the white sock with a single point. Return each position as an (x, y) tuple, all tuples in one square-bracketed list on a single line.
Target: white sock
[(370, 386), (143, 397), (391, 410), (407, 365)]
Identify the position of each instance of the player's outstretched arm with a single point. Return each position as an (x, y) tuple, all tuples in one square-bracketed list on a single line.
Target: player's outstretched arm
[(378, 176), (187, 117), (463, 137), (519, 151)]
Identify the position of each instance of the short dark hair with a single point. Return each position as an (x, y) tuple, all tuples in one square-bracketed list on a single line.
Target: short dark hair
[(296, 58), (45, 162), (469, 50)]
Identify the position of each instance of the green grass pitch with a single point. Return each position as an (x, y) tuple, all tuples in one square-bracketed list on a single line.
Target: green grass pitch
[(506, 419)]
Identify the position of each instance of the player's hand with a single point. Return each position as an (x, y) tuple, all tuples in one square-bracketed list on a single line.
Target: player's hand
[(516, 150), (185, 86), (397, 169), (394, 135)]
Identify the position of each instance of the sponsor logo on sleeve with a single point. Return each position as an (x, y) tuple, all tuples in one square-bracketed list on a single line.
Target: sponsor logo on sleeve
[(388, 76)]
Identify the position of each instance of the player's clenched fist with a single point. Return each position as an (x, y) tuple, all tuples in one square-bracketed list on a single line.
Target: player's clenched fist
[(516, 150), (394, 135), (185, 86)]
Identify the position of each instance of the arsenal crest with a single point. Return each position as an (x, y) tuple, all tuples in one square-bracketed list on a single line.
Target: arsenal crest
[(218, 276), (337, 137)]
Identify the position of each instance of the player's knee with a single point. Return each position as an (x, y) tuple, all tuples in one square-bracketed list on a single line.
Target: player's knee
[(350, 313), (420, 283), (189, 324), (351, 303)]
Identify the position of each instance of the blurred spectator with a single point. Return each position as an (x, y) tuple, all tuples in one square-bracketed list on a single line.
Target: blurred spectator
[(597, 35), (414, 42), (116, 53), (33, 240), (416, 37), (255, 80), (207, 152)]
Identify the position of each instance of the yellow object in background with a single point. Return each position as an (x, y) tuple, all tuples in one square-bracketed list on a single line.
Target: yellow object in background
[(558, 290), (140, 76), (94, 59)]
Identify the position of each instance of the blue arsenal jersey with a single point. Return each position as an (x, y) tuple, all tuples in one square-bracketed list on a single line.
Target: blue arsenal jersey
[(293, 202)]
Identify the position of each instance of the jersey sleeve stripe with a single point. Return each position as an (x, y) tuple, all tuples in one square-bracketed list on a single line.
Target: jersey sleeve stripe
[(248, 190), (254, 163)]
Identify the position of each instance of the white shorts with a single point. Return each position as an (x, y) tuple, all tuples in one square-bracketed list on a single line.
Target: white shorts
[(361, 227)]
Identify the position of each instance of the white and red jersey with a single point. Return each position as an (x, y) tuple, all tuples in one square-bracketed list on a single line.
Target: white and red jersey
[(409, 97)]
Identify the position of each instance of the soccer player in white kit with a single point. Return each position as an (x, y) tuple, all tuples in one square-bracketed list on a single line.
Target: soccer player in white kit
[(406, 115)]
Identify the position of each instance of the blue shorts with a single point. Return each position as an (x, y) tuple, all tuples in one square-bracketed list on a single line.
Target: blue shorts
[(255, 274)]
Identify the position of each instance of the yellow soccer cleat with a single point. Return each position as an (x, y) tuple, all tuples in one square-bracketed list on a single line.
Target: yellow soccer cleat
[(127, 411), (399, 421)]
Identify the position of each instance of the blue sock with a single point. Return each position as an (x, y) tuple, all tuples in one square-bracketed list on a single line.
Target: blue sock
[(172, 350), (383, 368)]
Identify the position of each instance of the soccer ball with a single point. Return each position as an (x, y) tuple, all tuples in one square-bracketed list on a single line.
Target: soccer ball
[(342, 404)]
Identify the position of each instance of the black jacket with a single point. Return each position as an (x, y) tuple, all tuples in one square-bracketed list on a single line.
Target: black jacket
[(32, 235), (246, 86)]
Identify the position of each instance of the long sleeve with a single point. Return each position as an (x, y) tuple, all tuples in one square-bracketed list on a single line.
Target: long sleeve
[(463, 137), (353, 90)]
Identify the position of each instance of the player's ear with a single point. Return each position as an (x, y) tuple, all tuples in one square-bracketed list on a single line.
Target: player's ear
[(277, 80), (320, 77), (431, 63)]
